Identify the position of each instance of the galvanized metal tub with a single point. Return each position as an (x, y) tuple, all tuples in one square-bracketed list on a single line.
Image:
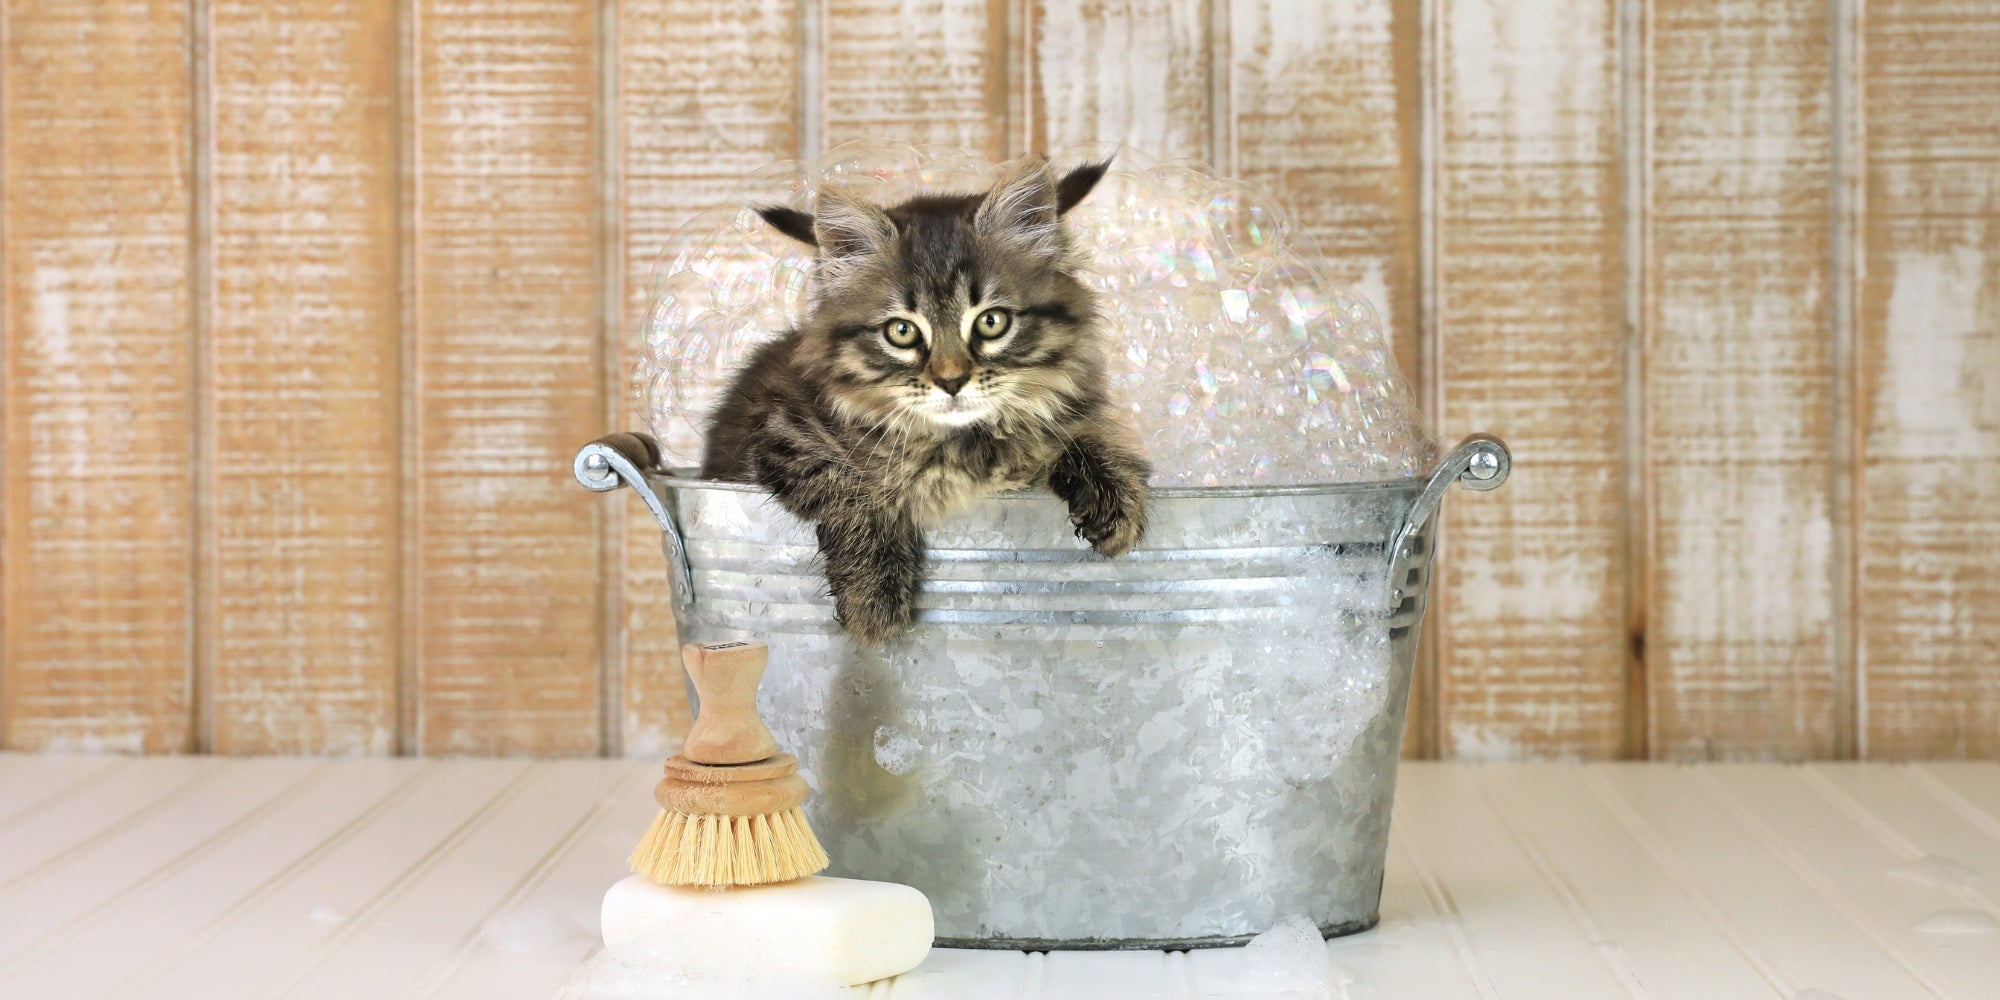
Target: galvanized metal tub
[(1174, 749)]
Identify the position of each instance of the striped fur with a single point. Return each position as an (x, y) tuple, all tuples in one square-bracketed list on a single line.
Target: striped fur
[(901, 397)]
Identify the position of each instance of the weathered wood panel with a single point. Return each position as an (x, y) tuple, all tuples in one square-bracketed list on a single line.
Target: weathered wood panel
[(98, 497), (241, 356), (1132, 73), (923, 71), (509, 377), (1929, 355), (708, 92), (1321, 105), (1739, 651), (1528, 346), (301, 651)]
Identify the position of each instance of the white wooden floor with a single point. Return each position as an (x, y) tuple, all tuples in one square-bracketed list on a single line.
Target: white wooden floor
[(208, 878)]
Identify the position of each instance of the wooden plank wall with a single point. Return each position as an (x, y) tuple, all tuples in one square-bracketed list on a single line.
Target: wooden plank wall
[(506, 376), (1927, 352), (307, 307), (299, 626), (1738, 430), (99, 495), (706, 93), (1526, 272)]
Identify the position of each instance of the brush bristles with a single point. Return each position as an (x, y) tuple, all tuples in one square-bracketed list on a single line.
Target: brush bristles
[(680, 849)]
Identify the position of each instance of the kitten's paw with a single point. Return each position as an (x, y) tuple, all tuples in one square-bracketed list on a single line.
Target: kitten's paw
[(1114, 536), (1105, 488), (1111, 522), (873, 571), (872, 619)]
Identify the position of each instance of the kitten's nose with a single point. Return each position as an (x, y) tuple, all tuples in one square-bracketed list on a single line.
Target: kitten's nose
[(950, 385)]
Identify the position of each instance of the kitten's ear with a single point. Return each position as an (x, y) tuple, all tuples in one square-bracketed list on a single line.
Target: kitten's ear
[(846, 227), (1022, 207), (790, 221), (1077, 184)]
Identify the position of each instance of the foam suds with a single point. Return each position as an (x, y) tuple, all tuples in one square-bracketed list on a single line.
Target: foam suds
[(896, 752), (1942, 872), (605, 976), (1957, 922), (1244, 362), (324, 914), (1290, 961), (531, 929)]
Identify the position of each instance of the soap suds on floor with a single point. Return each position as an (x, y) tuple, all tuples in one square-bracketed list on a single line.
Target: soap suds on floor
[(1288, 962), (605, 976), (324, 914), (1957, 922), (1942, 872), (531, 929)]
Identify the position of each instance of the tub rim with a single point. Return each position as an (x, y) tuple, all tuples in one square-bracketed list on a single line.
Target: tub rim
[(1479, 462), (684, 478)]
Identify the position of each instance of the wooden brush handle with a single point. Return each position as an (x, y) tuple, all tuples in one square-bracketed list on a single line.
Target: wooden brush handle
[(767, 786), (728, 729), (751, 798)]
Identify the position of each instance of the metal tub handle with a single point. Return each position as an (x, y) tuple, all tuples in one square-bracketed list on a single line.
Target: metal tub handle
[(1480, 462), (617, 459)]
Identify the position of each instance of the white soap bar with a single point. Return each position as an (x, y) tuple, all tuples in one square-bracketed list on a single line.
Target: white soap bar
[(838, 930)]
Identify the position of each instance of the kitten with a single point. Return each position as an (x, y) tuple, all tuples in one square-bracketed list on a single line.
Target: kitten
[(949, 351)]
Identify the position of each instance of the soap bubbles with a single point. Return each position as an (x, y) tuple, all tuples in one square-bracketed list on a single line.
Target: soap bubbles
[(1231, 353)]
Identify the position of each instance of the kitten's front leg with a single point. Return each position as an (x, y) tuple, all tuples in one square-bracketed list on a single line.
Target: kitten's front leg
[(1104, 484), (874, 566), (874, 557)]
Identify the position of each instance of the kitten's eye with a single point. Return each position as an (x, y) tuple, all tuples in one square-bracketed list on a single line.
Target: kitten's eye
[(901, 333), (993, 323)]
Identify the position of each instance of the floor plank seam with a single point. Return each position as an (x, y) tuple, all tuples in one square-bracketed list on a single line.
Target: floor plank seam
[(1788, 856), (1664, 857), (528, 882), (321, 877), (73, 788), (1566, 894), (164, 870), (1447, 910), (1034, 976), (1180, 975), (1986, 822), (151, 971), (166, 797), (355, 921), (1889, 837)]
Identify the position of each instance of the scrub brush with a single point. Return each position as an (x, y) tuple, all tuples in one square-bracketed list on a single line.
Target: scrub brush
[(730, 802)]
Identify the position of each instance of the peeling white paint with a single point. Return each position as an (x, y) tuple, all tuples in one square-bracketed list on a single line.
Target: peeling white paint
[(1519, 76), (1939, 381)]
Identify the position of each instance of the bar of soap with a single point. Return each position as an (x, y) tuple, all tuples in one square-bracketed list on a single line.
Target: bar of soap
[(838, 930)]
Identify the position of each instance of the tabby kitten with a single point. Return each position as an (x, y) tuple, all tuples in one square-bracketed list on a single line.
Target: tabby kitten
[(948, 351)]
